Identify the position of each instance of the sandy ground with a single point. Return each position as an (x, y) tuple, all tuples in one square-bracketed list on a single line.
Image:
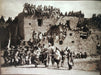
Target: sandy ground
[(30, 69)]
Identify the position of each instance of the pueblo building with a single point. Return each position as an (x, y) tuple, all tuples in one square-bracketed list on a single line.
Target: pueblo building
[(70, 30)]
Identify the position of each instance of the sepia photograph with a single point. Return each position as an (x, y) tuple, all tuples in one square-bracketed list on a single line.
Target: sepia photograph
[(52, 37)]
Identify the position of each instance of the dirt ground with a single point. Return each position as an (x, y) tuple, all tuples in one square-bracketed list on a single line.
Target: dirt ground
[(30, 69)]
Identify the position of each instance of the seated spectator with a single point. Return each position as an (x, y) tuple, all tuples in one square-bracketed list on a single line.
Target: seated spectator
[(85, 55)]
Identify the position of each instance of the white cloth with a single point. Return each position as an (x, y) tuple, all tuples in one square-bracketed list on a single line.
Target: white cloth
[(37, 53), (57, 55)]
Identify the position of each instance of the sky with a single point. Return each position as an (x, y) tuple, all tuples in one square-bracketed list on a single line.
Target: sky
[(11, 8)]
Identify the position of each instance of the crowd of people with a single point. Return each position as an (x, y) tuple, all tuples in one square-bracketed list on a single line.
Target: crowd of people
[(39, 11), (37, 54)]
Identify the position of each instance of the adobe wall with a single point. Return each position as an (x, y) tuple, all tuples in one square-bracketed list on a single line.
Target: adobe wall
[(73, 21), (21, 25), (31, 24), (79, 45), (45, 25)]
